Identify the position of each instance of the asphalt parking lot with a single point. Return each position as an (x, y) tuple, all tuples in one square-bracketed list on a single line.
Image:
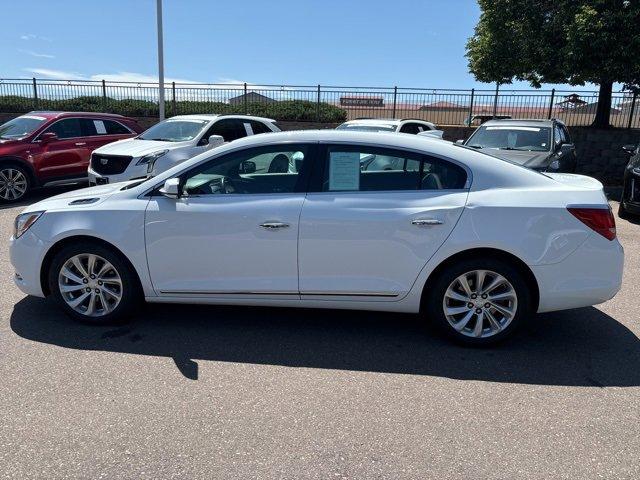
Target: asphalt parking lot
[(228, 392)]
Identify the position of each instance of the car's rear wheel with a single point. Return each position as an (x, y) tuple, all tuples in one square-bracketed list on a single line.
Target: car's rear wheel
[(479, 302), (14, 183), (94, 284)]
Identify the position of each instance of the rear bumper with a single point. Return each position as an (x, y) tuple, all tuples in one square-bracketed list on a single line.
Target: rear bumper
[(590, 275)]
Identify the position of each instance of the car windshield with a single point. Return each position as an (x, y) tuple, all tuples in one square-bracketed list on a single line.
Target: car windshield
[(174, 130), (533, 139), (21, 126), (366, 128)]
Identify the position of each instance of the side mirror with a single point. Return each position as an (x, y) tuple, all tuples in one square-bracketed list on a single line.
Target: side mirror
[(460, 142), (566, 148), (47, 137), (629, 149), (247, 167), (215, 140), (171, 188)]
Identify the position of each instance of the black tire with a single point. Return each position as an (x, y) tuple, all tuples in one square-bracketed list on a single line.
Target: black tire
[(130, 292), (622, 212), (5, 194), (433, 305)]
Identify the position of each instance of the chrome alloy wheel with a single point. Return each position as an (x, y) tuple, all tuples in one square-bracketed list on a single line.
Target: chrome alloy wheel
[(90, 285), (13, 184), (480, 303)]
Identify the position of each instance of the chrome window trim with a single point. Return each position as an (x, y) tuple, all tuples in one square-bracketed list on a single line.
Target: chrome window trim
[(37, 138)]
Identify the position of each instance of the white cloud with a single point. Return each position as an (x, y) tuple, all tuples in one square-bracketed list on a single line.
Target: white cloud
[(119, 85), (122, 77), (136, 77), (55, 74), (31, 36), (36, 54)]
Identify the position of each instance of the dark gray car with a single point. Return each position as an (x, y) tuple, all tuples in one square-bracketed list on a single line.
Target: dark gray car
[(542, 145)]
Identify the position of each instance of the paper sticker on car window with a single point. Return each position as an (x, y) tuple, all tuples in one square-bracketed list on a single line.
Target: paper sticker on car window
[(100, 128), (344, 171)]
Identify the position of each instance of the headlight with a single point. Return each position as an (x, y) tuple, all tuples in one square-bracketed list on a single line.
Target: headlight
[(150, 159), (24, 221)]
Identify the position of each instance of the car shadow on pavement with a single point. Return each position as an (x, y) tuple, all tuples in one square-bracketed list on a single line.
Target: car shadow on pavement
[(42, 193), (583, 347)]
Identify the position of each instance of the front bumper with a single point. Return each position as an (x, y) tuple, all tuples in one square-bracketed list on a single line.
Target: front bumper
[(27, 254), (131, 173)]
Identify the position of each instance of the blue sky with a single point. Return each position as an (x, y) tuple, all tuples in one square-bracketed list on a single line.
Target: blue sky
[(409, 43)]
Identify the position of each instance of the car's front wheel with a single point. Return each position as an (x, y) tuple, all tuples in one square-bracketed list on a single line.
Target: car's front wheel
[(14, 183), (479, 302), (93, 284)]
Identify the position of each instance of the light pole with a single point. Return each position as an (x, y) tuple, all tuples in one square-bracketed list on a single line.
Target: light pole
[(160, 61)]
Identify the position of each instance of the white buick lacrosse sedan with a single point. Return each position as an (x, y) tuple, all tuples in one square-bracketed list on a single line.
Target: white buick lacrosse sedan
[(330, 219)]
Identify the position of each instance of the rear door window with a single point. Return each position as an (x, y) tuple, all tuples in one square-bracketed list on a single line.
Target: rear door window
[(230, 129), (114, 128), (259, 127), (410, 127), (364, 168)]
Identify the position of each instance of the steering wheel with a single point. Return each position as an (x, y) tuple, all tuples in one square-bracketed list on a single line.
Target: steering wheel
[(233, 185)]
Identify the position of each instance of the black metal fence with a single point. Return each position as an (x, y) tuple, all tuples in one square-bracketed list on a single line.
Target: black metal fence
[(313, 103)]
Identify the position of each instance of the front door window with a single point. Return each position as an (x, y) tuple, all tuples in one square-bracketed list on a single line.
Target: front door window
[(252, 171)]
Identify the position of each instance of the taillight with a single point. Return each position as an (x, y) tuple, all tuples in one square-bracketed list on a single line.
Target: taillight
[(599, 219)]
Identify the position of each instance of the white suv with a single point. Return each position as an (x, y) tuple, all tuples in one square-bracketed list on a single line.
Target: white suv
[(411, 126), (168, 143)]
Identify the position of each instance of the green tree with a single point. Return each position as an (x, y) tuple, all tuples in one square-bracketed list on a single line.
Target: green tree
[(559, 41)]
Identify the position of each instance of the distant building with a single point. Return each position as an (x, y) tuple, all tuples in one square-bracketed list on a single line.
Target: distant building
[(251, 97), (361, 101), (590, 108)]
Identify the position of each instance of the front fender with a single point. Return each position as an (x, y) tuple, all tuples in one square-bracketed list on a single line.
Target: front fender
[(123, 229)]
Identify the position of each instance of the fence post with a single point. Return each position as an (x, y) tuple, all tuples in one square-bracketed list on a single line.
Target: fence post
[(473, 91), (318, 105), (395, 95), (35, 94), (553, 94), (104, 95), (245, 99), (495, 100), (633, 107), (173, 99)]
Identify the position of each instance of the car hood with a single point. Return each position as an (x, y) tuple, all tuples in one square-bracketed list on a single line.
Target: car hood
[(137, 148), (82, 198), (526, 159)]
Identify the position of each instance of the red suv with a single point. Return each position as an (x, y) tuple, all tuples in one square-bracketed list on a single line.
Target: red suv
[(49, 148)]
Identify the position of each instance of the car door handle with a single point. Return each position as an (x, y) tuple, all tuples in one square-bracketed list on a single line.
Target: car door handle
[(80, 144), (274, 225), (422, 222)]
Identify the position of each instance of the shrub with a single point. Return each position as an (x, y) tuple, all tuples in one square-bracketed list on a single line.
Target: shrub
[(287, 110)]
